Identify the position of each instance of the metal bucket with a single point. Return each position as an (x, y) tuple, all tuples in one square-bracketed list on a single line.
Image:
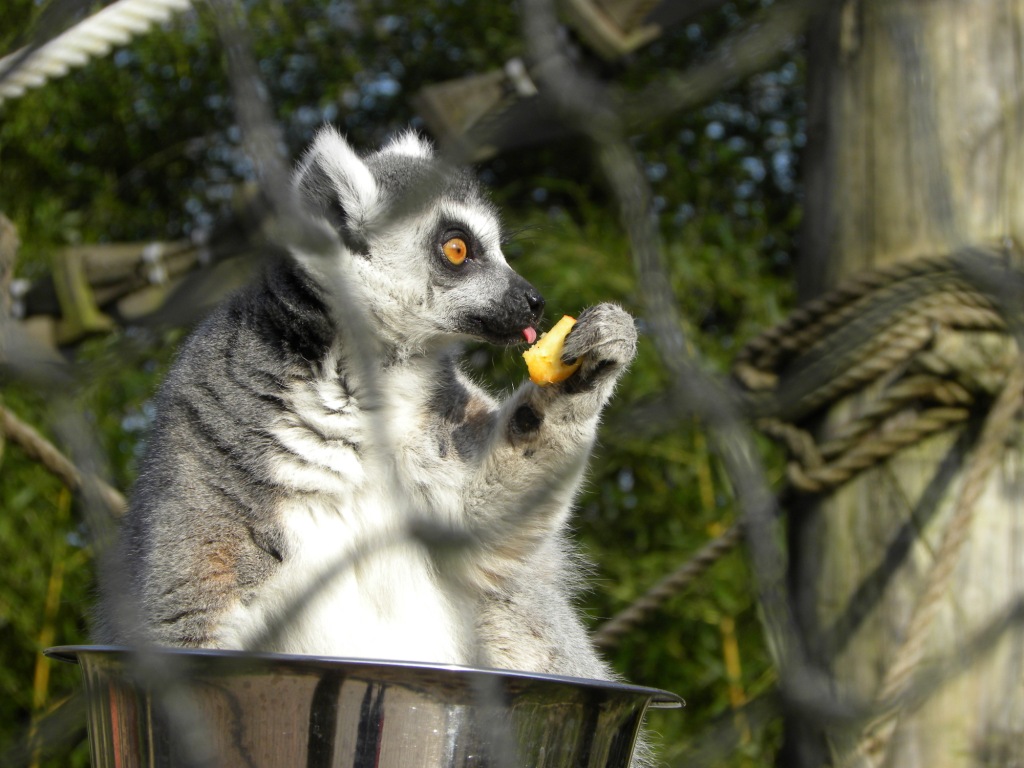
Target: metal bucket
[(192, 709)]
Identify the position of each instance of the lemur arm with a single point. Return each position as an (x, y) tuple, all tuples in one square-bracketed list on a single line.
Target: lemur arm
[(542, 437)]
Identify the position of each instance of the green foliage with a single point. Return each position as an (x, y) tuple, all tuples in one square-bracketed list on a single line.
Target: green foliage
[(143, 145), (46, 589)]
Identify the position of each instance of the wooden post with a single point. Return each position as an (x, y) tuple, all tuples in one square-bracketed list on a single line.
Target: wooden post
[(916, 147)]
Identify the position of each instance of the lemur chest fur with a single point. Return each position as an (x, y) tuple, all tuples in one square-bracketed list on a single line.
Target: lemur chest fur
[(438, 423), (346, 526)]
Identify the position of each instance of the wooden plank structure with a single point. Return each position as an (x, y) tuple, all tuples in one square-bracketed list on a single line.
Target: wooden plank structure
[(92, 285), (500, 109)]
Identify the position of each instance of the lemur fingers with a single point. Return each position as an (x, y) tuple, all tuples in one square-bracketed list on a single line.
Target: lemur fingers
[(605, 337)]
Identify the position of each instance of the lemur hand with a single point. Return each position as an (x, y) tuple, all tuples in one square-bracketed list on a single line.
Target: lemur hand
[(605, 338)]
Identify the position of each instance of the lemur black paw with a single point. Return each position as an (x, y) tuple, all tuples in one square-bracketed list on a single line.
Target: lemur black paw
[(605, 338)]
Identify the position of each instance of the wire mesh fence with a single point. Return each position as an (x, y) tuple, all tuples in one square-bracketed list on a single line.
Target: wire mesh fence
[(913, 358)]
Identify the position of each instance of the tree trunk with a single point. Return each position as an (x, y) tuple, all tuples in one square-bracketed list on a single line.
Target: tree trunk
[(916, 143)]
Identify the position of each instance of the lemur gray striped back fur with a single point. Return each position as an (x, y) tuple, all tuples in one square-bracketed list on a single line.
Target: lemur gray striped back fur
[(271, 462)]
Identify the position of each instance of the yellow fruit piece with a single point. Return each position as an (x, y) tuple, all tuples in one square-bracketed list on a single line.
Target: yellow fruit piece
[(544, 358)]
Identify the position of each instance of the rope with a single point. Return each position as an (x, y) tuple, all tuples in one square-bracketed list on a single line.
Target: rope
[(609, 634), (828, 311), (806, 372), (895, 398), (873, 449), (93, 37), (40, 449)]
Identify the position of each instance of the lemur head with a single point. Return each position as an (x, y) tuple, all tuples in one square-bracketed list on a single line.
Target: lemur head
[(422, 241)]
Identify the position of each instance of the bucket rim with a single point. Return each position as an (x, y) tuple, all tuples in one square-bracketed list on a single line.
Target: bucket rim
[(658, 698)]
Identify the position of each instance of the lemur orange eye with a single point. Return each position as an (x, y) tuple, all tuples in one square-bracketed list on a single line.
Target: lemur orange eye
[(455, 250)]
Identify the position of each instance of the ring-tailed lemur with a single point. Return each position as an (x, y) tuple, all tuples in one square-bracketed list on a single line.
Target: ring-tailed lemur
[(276, 459)]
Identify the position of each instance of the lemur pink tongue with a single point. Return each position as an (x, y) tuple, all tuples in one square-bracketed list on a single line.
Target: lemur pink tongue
[(530, 334)]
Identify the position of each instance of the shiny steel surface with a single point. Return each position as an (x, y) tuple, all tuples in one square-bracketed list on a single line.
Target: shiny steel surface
[(189, 708)]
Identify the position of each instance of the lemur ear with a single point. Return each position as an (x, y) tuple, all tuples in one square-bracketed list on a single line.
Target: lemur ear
[(334, 181)]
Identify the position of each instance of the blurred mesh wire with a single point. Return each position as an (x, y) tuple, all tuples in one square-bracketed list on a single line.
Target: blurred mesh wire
[(606, 116)]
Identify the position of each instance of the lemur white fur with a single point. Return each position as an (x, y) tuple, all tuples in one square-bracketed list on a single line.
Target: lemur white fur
[(274, 505)]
